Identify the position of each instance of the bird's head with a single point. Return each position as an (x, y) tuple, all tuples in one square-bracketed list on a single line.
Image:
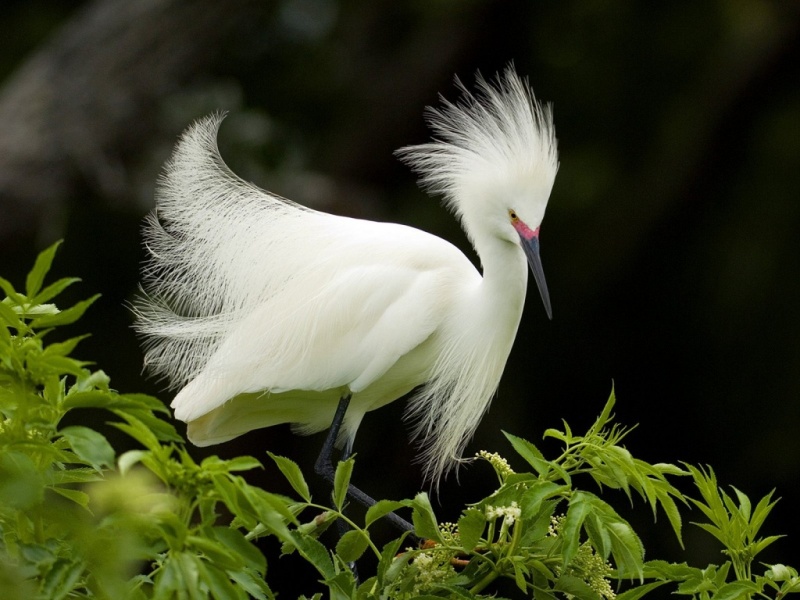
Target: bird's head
[(494, 159)]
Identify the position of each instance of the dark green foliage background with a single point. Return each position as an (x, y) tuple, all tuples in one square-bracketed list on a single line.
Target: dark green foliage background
[(670, 243)]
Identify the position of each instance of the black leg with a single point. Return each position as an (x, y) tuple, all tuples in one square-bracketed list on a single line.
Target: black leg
[(324, 466)]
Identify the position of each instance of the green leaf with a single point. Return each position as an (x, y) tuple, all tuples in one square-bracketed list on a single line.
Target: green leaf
[(65, 317), (389, 557), (520, 573), (78, 497), (53, 290), (671, 510), (580, 507), (342, 585), (235, 541), (760, 513), (382, 508), (762, 543), (605, 415), (214, 551), (576, 587), (35, 278), (471, 527), (61, 579), (315, 553), (736, 590), (129, 459), (21, 484), (219, 584), (640, 591), (352, 545), (63, 348), (11, 293), (138, 431), (627, 550), (252, 583), (293, 475), (529, 453), (266, 501), (10, 317), (242, 463), (341, 482), (425, 524), (532, 499)]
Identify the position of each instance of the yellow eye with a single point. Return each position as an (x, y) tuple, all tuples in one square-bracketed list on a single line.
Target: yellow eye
[(513, 215)]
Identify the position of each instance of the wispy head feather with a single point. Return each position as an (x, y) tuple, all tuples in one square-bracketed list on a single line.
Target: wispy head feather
[(487, 143)]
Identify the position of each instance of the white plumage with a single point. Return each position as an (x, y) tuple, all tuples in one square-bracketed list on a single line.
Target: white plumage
[(266, 312)]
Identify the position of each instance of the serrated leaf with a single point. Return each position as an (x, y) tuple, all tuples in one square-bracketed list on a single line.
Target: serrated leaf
[(89, 399), (555, 433), (264, 500), (10, 317), (763, 543), (53, 290), (605, 415), (66, 316), (341, 482), (11, 293), (382, 508), (242, 463), (389, 557), (471, 527), (520, 573), (235, 541), (291, 471), (529, 453), (671, 510), (252, 584), (580, 506), (576, 587), (315, 553), (138, 431), (735, 590), (342, 586), (78, 497), (90, 446), (760, 513), (640, 591), (627, 550), (61, 579), (216, 552), (33, 283), (129, 459), (218, 582), (425, 524), (352, 545), (64, 348)]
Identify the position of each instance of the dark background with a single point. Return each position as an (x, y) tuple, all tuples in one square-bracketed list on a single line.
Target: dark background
[(670, 243)]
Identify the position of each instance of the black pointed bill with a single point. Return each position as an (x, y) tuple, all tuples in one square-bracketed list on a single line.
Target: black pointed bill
[(530, 244)]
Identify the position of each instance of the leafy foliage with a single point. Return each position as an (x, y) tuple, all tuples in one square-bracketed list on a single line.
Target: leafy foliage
[(80, 520)]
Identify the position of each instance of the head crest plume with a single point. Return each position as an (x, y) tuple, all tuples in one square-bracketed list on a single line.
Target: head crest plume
[(488, 139)]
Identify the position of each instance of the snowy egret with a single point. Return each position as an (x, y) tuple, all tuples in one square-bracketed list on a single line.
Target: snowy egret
[(264, 311)]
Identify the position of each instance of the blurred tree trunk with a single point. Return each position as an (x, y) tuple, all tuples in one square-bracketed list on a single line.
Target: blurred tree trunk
[(87, 98)]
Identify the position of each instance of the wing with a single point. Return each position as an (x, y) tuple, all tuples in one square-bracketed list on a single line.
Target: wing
[(339, 324)]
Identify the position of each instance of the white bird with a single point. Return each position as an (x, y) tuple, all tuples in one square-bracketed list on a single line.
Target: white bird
[(265, 312)]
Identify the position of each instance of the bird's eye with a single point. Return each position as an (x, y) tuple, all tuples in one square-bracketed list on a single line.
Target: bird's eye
[(513, 215)]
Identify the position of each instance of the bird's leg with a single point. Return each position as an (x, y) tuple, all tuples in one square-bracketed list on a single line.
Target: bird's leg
[(324, 466)]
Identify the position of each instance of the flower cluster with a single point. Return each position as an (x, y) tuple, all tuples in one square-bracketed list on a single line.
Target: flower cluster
[(587, 564), (500, 464), (509, 514)]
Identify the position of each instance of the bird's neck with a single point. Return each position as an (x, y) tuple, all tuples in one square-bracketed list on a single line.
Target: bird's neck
[(505, 279)]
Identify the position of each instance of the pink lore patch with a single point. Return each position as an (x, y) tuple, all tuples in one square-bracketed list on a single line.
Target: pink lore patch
[(526, 232)]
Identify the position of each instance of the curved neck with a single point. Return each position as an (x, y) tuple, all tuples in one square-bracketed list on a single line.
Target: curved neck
[(505, 281)]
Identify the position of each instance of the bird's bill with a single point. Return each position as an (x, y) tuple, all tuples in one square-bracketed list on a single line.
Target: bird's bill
[(530, 246)]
